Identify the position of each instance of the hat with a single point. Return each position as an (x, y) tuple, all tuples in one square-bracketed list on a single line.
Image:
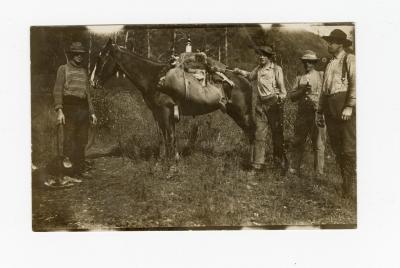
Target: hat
[(265, 50), (77, 47), (339, 37), (309, 55)]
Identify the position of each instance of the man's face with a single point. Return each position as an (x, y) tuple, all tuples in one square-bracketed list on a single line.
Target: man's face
[(334, 47), (308, 65), (263, 60), (77, 57)]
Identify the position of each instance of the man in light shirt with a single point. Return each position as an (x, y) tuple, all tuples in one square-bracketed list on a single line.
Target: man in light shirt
[(267, 80), (338, 105)]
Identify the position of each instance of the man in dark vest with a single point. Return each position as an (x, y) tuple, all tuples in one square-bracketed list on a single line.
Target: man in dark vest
[(74, 108), (267, 79), (338, 105)]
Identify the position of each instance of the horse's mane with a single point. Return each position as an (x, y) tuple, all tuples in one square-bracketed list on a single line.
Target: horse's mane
[(131, 53)]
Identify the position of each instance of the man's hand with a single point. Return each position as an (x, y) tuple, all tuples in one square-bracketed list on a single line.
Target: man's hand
[(307, 88), (215, 69), (237, 71), (346, 113), (93, 119), (320, 120), (281, 97), (60, 117)]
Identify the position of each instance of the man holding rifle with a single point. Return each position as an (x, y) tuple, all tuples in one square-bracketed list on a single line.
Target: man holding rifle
[(73, 105)]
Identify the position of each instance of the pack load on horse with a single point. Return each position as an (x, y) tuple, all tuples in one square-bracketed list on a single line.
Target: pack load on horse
[(194, 77)]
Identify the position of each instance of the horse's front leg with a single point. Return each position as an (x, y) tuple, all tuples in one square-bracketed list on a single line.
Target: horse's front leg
[(162, 142), (174, 141), (172, 148)]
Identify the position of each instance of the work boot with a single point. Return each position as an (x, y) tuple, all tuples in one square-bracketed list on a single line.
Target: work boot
[(254, 170), (318, 176), (84, 176), (61, 182), (68, 179), (296, 172), (256, 167)]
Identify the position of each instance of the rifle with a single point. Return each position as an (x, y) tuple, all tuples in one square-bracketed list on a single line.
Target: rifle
[(65, 162)]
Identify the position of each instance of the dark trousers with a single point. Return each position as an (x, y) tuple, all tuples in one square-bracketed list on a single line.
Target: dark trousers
[(76, 133), (268, 114), (305, 126), (342, 136)]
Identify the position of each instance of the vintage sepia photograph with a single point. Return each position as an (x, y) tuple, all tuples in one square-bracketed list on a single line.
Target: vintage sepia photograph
[(193, 126)]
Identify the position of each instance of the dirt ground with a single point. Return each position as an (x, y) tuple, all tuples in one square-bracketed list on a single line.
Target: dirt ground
[(206, 191)]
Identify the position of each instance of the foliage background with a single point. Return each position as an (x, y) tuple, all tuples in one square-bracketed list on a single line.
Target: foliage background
[(48, 46)]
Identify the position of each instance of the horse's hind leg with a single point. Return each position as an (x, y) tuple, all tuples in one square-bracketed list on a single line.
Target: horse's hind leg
[(194, 133), (158, 118), (171, 144), (162, 137), (167, 123), (167, 129)]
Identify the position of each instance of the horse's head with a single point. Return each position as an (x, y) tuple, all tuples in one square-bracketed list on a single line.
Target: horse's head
[(105, 67)]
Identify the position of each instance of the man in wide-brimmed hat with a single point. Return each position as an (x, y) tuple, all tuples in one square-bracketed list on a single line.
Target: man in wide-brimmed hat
[(338, 37), (267, 79), (306, 92), (338, 105), (74, 108)]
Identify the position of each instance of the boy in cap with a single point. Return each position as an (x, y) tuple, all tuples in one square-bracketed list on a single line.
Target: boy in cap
[(338, 105), (74, 108), (306, 92), (267, 80)]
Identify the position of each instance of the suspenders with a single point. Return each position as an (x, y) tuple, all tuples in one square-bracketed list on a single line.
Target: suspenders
[(345, 70)]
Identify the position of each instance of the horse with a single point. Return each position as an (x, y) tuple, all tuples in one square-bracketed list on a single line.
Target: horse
[(145, 75)]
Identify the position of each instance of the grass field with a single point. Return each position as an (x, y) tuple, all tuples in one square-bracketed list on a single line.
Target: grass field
[(205, 192), (210, 188)]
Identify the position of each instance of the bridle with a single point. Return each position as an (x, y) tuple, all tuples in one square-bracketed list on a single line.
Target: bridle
[(98, 72)]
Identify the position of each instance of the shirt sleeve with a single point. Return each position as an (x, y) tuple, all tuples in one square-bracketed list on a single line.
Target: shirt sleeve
[(321, 81), (59, 88), (351, 78), (320, 106), (251, 75), (296, 92), (279, 81)]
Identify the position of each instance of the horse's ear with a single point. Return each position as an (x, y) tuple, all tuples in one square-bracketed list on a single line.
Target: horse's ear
[(109, 42), (108, 47)]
